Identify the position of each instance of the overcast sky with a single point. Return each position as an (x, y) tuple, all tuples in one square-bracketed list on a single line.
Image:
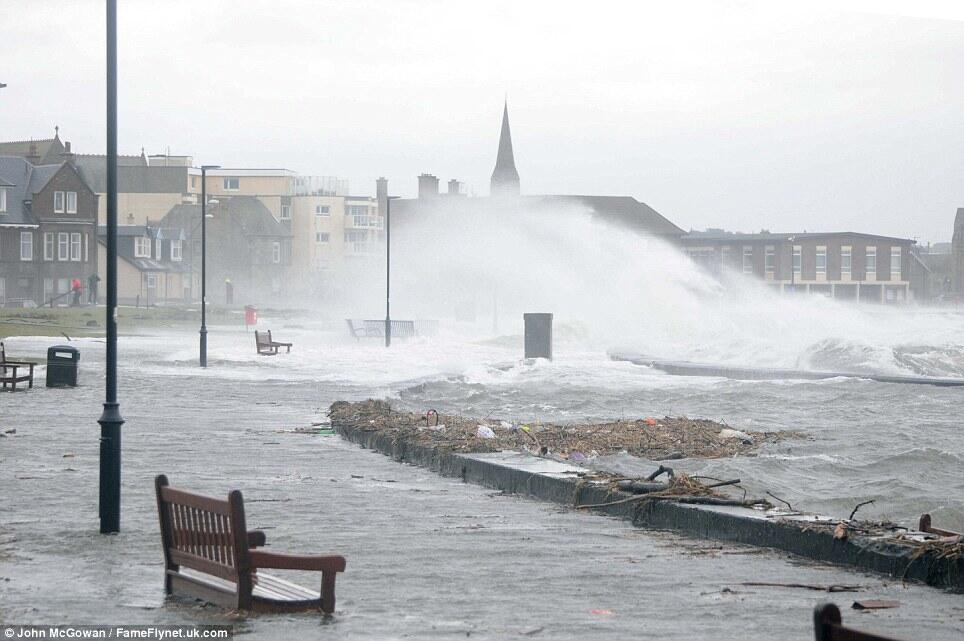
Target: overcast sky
[(743, 115)]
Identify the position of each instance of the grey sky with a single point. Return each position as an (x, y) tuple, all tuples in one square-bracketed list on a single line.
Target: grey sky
[(736, 114)]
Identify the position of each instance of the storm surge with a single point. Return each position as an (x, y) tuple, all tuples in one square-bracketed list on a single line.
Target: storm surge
[(611, 288)]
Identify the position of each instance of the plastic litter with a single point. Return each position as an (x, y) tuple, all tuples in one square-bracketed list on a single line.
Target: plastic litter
[(726, 432), (485, 432)]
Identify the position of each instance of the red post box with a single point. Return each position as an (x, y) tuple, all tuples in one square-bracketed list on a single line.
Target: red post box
[(250, 315)]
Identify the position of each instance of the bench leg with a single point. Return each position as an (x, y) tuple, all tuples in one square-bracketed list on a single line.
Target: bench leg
[(328, 592)]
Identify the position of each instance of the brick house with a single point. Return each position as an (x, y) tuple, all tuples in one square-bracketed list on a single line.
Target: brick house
[(48, 231)]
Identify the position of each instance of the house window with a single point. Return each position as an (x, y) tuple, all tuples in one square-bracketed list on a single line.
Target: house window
[(322, 210), (151, 281), (821, 259), (870, 261), (357, 241), (725, 257), (49, 246), (895, 270), (797, 259), (286, 212), (176, 250), (26, 245), (86, 249), (48, 289), (747, 260), (71, 202), (322, 237), (275, 252), (63, 246), (3, 200), (58, 202), (846, 260), (232, 184), (157, 249), (75, 247), (142, 247), (770, 263)]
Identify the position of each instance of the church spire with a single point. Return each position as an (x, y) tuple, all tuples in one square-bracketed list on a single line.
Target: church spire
[(505, 178)]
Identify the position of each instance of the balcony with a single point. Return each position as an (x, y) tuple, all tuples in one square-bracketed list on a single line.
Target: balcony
[(356, 221)]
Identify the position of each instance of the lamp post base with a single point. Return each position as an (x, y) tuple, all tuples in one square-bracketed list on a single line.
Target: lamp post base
[(110, 468), (204, 347)]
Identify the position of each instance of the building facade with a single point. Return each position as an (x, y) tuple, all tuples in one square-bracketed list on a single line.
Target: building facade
[(844, 265), (48, 232), (246, 247)]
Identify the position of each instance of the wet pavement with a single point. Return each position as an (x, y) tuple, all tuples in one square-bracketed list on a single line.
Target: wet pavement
[(428, 557)]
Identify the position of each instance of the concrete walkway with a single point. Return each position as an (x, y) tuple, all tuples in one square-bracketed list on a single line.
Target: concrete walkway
[(428, 557)]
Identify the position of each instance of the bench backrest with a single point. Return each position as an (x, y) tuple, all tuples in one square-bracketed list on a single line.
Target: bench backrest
[(262, 338), (829, 627), (205, 534)]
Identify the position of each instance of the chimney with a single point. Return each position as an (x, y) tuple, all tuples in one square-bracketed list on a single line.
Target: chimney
[(455, 188), (66, 155), (381, 194), (33, 156), (427, 186)]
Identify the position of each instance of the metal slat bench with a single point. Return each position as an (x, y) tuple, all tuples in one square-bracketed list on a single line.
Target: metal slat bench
[(210, 555)]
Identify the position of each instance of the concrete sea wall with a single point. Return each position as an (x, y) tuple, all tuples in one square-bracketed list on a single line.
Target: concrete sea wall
[(806, 535)]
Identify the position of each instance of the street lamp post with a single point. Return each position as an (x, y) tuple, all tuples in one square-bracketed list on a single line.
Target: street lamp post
[(388, 269), (204, 249), (110, 420)]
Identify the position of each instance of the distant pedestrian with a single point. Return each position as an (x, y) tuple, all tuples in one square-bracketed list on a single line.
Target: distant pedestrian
[(92, 281), (228, 292), (76, 287)]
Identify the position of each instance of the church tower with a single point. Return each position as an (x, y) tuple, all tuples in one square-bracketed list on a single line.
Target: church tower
[(505, 178)]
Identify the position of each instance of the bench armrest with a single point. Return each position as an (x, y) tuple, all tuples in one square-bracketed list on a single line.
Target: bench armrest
[(256, 539), (276, 561)]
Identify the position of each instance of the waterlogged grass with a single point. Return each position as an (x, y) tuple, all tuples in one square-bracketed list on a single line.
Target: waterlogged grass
[(89, 321)]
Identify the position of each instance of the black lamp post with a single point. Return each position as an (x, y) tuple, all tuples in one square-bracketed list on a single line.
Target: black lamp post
[(388, 269), (111, 421), (204, 249)]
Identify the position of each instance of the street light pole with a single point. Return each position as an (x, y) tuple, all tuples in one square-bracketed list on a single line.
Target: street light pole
[(110, 420), (204, 251), (388, 269)]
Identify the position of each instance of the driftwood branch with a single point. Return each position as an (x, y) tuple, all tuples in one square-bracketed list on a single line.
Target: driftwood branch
[(771, 494), (859, 505)]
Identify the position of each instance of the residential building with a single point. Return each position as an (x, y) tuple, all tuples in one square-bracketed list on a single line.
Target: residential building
[(845, 265), (246, 245), (48, 232), (150, 265), (330, 233), (147, 188)]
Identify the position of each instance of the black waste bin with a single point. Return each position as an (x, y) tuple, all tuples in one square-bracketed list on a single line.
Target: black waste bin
[(62, 366)]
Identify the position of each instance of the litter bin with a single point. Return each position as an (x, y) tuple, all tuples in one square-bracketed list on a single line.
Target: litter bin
[(250, 315), (62, 366)]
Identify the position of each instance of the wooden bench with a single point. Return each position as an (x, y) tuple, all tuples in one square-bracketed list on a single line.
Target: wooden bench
[(210, 555), (13, 372), (924, 525), (266, 345), (827, 626)]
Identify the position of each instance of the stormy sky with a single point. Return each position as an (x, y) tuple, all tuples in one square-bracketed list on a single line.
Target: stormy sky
[(743, 115)]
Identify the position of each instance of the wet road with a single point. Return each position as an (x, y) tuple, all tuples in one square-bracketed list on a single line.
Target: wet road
[(428, 557)]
